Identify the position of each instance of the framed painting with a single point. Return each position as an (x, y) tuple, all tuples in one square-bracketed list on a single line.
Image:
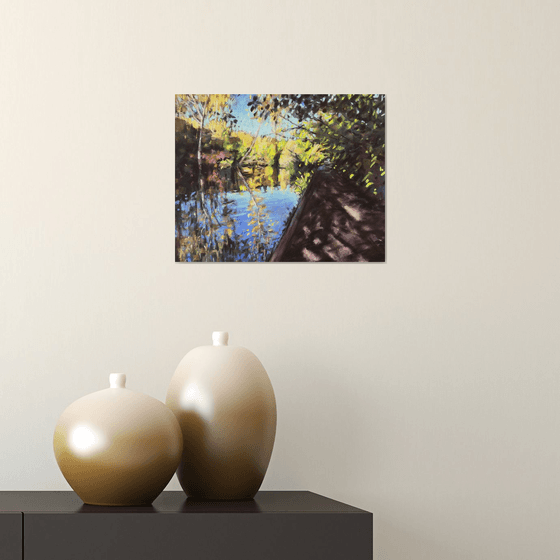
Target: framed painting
[(280, 178)]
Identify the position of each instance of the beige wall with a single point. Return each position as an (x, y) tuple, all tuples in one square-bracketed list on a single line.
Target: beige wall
[(426, 389)]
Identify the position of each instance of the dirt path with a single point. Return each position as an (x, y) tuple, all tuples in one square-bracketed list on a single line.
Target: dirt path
[(336, 220)]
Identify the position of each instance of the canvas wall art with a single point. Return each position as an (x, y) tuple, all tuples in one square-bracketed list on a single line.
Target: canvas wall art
[(280, 178)]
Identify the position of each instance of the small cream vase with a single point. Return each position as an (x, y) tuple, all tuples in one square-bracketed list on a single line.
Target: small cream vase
[(117, 447), (224, 402)]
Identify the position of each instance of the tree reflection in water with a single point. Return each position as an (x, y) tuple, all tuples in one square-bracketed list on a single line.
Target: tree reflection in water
[(219, 226)]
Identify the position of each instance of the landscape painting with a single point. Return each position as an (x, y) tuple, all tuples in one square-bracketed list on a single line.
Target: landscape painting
[(280, 178)]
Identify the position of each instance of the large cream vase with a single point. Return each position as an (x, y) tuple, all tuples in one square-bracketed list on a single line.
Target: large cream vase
[(225, 405)]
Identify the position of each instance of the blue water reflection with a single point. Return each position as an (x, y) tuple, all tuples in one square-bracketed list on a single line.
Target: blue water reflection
[(278, 203), (237, 226)]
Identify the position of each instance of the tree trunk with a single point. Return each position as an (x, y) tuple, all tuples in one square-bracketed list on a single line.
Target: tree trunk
[(199, 151), (178, 234), (276, 165)]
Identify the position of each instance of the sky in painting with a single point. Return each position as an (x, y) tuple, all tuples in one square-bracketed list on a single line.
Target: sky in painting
[(244, 120)]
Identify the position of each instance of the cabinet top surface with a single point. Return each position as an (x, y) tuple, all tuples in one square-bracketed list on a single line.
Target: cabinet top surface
[(177, 502)]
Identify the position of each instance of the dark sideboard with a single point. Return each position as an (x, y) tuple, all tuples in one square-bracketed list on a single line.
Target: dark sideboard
[(273, 526)]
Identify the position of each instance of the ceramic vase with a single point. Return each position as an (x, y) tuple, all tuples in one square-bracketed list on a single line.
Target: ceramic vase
[(117, 447), (225, 405)]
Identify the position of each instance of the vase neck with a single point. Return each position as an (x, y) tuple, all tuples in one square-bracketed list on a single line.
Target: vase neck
[(220, 338), (117, 381)]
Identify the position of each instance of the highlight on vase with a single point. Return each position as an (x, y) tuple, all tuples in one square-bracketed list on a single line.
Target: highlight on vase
[(280, 178)]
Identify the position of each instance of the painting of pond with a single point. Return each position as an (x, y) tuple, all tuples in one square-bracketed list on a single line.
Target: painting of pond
[(272, 178)]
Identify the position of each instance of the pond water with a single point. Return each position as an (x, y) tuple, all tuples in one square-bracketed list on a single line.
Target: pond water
[(235, 226)]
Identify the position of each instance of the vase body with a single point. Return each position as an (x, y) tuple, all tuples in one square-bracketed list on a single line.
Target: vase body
[(224, 402), (117, 447)]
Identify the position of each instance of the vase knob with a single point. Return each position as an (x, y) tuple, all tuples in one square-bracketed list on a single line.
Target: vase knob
[(117, 380), (220, 338)]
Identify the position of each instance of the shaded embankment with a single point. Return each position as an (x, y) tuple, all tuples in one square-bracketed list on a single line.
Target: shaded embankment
[(336, 220)]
